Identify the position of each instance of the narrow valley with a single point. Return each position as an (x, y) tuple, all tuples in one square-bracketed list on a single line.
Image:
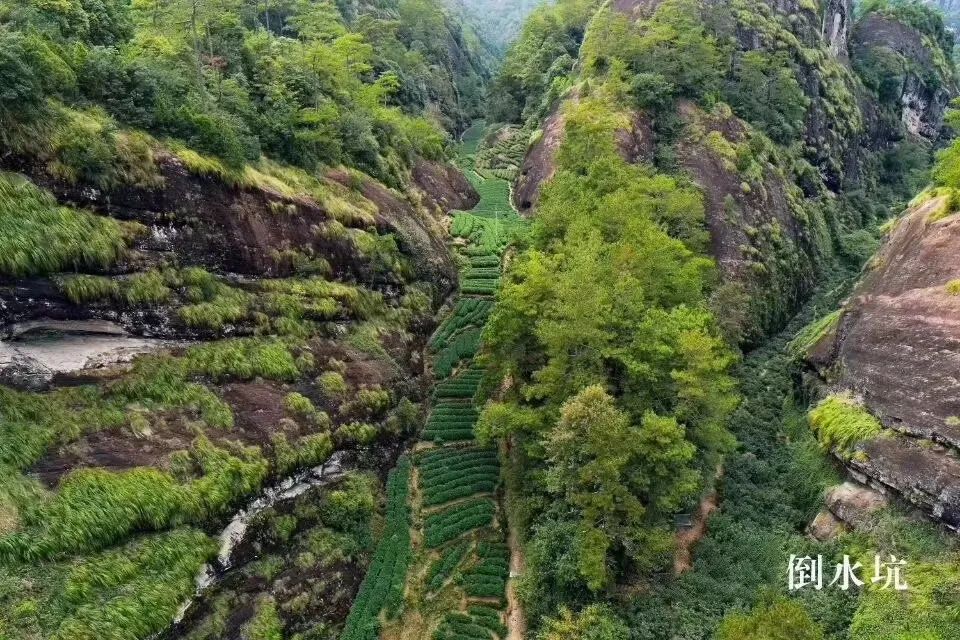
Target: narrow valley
[(479, 320)]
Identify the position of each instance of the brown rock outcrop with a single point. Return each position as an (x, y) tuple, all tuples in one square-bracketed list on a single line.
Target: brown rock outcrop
[(897, 345)]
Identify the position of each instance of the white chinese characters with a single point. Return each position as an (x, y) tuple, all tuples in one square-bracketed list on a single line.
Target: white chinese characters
[(807, 571)]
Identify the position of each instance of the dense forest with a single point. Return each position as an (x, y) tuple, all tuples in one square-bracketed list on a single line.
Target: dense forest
[(477, 319)]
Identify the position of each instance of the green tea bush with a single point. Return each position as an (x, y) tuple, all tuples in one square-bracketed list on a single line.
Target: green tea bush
[(480, 287), (468, 312), (453, 522), (482, 273), (477, 624), (463, 346), (383, 586), (484, 261), (443, 567), (449, 474), (462, 386), (488, 617), (450, 421), (487, 578)]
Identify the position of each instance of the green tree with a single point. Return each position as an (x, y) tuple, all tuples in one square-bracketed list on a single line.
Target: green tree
[(779, 619), (611, 473), (596, 622), (766, 92)]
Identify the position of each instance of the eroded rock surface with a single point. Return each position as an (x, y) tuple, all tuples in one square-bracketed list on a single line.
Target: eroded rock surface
[(897, 345)]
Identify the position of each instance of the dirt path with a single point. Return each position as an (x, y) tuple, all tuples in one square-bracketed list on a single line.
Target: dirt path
[(687, 539), (516, 619)]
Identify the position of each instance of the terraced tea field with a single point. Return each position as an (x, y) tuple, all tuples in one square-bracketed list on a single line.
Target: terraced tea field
[(456, 584)]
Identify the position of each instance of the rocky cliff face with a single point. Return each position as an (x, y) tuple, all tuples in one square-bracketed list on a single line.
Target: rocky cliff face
[(247, 234), (896, 348), (837, 17), (921, 84), (772, 213)]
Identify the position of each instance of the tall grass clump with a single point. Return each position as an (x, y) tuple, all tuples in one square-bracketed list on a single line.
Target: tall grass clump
[(94, 508), (82, 288), (130, 591), (811, 334), (840, 423), (38, 237)]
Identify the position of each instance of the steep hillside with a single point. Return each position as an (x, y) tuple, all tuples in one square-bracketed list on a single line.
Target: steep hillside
[(811, 149), (497, 21), (880, 372), (222, 240), (695, 173), (888, 352)]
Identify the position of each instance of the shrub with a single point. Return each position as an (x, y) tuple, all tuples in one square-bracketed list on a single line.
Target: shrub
[(357, 432), (447, 524), (450, 474), (299, 404), (106, 593), (331, 385), (783, 618), (840, 422), (444, 566), (369, 403)]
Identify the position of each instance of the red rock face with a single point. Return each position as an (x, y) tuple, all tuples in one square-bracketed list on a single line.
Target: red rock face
[(539, 165), (897, 346), (446, 188)]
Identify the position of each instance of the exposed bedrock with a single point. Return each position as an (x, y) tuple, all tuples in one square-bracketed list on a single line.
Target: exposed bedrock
[(896, 345), (849, 505), (245, 234)]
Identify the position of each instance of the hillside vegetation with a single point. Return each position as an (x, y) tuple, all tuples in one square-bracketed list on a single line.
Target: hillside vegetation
[(474, 320), (259, 184), (695, 172)]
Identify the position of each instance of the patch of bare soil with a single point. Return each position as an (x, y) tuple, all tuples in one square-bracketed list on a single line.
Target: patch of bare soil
[(687, 539), (516, 619)]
